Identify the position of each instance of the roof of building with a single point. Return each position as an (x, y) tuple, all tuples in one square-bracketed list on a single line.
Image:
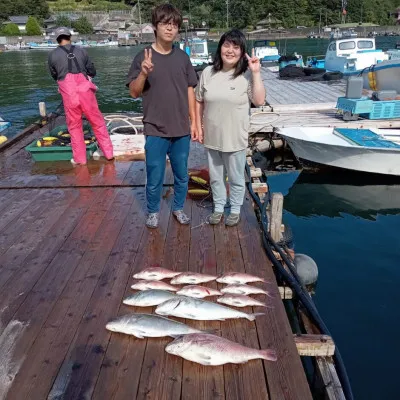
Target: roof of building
[(18, 19)]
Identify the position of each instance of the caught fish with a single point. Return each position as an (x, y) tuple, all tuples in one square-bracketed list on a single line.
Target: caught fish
[(148, 298), (198, 292), (244, 289), (155, 274), (148, 325), (192, 278), (207, 349), (188, 307), (234, 278), (240, 300), (146, 285)]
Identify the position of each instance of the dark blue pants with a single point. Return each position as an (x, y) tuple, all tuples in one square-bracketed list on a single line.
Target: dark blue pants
[(157, 148)]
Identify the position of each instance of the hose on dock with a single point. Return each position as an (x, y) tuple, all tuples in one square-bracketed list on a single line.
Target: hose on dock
[(293, 280)]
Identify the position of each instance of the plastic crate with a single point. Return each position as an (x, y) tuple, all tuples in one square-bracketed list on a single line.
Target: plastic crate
[(58, 153), (355, 106), (384, 110), (370, 109)]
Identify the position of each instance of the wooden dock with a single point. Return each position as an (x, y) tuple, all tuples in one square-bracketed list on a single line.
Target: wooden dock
[(70, 241)]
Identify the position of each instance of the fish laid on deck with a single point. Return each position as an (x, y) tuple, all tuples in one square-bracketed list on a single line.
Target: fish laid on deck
[(148, 325), (148, 298), (146, 285), (244, 289), (240, 300), (234, 278), (199, 292), (207, 349), (155, 274), (187, 307), (192, 278)]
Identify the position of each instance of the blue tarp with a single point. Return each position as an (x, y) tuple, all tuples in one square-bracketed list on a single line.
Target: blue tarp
[(365, 138)]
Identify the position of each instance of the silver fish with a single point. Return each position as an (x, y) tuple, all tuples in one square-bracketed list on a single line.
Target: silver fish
[(192, 278), (240, 300), (244, 289), (148, 325), (146, 285), (198, 292), (234, 278), (148, 298), (155, 274), (187, 307), (207, 349)]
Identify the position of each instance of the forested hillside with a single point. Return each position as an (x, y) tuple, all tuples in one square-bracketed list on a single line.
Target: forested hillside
[(242, 13)]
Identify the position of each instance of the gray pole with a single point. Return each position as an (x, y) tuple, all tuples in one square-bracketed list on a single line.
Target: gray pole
[(227, 14)]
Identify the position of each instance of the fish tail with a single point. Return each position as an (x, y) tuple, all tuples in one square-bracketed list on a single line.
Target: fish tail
[(268, 354), (252, 317)]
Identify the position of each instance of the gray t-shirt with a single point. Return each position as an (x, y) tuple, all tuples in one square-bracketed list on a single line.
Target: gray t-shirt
[(58, 63), (165, 94), (226, 118)]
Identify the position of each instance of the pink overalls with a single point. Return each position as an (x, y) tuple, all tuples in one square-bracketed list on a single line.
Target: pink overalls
[(78, 94)]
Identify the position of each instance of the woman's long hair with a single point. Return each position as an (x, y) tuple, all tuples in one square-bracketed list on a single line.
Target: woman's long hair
[(237, 38)]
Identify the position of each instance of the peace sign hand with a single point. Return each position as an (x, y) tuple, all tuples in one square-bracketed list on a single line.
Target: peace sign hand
[(147, 64), (254, 63)]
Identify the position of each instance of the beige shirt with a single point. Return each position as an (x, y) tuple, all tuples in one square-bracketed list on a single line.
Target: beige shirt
[(226, 117)]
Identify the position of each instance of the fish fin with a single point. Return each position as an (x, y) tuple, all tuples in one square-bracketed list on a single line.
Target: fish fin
[(269, 354), (139, 335), (252, 317), (175, 335)]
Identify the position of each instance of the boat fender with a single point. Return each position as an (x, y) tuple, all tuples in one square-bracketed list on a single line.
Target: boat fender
[(372, 80), (306, 268)]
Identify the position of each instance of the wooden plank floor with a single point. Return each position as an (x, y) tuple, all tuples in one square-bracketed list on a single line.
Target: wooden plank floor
[(285, 91), (18, 170), (67, 256)]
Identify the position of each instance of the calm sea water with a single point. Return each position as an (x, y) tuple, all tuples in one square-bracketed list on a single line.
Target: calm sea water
[(349, 225)]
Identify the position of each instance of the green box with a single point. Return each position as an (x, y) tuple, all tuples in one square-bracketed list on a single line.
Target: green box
[(57, 153)]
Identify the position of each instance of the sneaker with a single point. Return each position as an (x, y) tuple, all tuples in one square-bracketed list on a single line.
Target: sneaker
[(152, 220), (181, 217), (215, 218), (232, 220)]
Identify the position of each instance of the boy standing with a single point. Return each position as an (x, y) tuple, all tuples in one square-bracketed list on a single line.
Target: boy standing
[(165, 78)]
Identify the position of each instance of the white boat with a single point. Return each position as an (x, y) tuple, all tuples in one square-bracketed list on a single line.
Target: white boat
[(197, 49), (352, 55), (42, 46), (366, 150), (266, 50), (382, 76)]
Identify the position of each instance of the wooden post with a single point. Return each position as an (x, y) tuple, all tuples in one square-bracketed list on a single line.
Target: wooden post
[(314, 345), (276, 216)]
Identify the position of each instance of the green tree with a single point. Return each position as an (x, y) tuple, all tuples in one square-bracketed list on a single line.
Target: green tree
[(10, 30), (82, 25), (63, 21), (33, 27)]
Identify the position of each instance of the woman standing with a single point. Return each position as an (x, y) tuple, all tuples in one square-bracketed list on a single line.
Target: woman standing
[(223, 116)]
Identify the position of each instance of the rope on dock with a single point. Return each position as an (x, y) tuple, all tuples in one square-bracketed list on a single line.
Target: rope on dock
[(293, 280)]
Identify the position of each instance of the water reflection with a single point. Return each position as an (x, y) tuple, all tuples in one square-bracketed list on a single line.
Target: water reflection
[(332, 194)]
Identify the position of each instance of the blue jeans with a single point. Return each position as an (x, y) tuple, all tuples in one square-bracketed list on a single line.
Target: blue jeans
[(157, 148)]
